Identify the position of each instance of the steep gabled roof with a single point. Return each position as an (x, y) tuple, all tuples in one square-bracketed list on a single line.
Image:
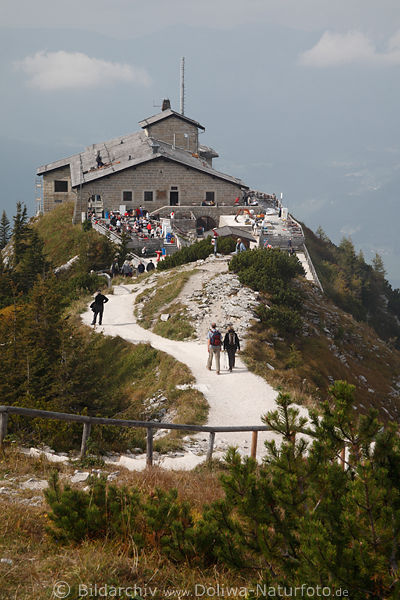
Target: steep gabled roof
[(165, 114)]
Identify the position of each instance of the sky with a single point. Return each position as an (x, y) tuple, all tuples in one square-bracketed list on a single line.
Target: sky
[(298, 97)]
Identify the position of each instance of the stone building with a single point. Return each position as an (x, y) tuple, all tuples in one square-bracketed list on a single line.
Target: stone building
[(162, 165)]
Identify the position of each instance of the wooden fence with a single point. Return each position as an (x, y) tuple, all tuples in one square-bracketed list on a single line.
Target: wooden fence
[(88, 422)]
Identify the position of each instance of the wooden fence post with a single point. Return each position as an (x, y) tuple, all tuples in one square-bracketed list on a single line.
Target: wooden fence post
[(254, 439), (210, 446), (149, 447), (85, 436), (3, 426)]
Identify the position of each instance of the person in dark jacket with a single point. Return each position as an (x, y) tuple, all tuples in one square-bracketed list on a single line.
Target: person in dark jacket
[(140, 268), (150, 266), (114, 268), (98, 307), (231, 344)]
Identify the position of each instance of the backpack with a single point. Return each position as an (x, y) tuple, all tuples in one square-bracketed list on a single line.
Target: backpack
[(231, 339), (215, 339)]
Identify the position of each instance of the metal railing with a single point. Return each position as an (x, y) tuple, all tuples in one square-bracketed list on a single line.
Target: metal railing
[(100, 228), (312, 268)]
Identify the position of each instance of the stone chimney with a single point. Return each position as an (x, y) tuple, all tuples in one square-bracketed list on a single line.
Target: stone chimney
[(166, 104)]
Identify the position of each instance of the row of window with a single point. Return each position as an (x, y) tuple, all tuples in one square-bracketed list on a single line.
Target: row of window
[(127, 195)]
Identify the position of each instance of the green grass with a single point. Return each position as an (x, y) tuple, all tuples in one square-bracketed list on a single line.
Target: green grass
[(130, 375), (61, 238), (141, 372), (178, 327), (166, 290)]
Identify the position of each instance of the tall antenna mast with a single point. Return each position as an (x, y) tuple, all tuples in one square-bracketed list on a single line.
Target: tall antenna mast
[(182, 85)]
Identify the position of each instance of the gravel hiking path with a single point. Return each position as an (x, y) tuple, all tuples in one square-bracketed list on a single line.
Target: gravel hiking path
[(237, 398)]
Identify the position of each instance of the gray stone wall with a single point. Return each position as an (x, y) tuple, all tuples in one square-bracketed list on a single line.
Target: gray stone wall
[(51, 198), (166, 129), (158, 176)]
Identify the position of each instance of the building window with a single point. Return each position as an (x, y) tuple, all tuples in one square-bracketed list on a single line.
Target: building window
[(60, 186), (174, 187), (127, 196), (210, 196), (148, 196)]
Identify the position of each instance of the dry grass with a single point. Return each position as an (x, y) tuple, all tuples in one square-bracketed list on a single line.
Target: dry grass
[(307, 366), (38, 562), (15, 463)]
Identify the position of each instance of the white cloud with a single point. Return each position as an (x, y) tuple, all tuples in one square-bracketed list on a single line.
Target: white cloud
[(335, 49), (353, 47), (61, 70)]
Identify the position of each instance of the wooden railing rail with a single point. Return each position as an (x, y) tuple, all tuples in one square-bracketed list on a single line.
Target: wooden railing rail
[(88, 423)]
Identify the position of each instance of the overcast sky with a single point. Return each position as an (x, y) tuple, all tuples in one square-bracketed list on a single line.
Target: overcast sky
[(297, 96)]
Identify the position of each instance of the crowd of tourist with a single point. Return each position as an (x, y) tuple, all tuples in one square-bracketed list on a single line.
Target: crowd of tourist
[(130, 269), (135, 223)]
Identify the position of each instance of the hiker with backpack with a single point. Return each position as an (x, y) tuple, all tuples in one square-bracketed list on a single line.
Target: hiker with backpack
[(97, 307), (214, 343), (231, 344)]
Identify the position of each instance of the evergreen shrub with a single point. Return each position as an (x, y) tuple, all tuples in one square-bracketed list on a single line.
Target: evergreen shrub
[(103, 511), (86, 225), (272, 271), (303, 515), (282, 318), (108, 511), (197, 251), (265, 270)]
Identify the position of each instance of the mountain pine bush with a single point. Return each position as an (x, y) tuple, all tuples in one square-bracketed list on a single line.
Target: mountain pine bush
[(197, 251), (306, 514), (271, 271)]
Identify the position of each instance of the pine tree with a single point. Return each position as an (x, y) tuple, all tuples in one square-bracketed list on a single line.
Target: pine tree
[(303, 516), (4, 230), (20, 232), (32, 262), (378, 265), (321, 234)]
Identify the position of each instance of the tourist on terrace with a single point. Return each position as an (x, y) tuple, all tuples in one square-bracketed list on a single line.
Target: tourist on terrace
[(240, 247)]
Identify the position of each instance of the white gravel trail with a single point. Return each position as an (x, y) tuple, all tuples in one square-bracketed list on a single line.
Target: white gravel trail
[(238, 398)]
